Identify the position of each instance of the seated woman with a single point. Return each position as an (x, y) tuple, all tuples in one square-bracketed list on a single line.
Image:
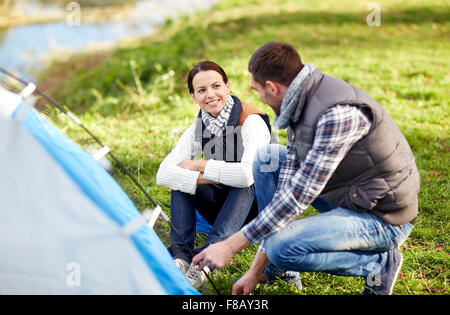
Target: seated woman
[(227, 132)]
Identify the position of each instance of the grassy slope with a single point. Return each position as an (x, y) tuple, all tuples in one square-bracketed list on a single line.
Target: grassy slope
[(136, 101)]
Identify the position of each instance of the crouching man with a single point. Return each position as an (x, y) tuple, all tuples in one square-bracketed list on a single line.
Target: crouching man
[(347, 158)]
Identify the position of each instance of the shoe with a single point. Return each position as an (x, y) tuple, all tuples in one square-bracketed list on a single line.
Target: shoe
[(383, 283), (182, 264), (290, 277), (197, 277)]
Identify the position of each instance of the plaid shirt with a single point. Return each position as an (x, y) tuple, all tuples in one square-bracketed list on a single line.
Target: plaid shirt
[(338, 129)]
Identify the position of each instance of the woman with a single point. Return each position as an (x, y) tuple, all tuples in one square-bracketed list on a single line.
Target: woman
[(227, 133)]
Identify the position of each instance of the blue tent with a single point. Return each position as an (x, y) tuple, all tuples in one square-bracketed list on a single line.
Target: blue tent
[(63, 218)]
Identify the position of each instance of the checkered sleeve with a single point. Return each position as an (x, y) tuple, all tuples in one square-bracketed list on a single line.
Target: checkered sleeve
[(338, 129), (289, 167)]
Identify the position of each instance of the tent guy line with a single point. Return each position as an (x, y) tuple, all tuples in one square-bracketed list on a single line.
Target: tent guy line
[(31, 88)]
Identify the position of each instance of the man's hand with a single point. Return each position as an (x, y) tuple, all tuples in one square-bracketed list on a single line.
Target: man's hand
[(219, 255), (246, 284), (215, 256), (198, 166)]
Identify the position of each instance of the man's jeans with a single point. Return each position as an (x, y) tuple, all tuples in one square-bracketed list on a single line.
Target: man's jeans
[(225, 208), (337, 240)]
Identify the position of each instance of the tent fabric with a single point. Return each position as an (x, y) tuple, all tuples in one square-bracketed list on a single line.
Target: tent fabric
[(202, 225), (60, 209), (8, 103), (47, 232)]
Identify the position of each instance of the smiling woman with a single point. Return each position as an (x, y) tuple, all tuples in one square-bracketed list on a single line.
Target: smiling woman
[(228, 133), (211, 91)]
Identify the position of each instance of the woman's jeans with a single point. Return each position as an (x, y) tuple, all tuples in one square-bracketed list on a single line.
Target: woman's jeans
[(337, 240), (225, 208)]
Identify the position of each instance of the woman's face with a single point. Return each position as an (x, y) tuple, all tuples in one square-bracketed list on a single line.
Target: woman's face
[(210, 92)]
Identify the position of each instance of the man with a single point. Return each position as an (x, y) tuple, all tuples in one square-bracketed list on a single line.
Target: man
[(346, 157)]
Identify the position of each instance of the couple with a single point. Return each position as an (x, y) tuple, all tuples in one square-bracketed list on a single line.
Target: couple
[(344, 156)]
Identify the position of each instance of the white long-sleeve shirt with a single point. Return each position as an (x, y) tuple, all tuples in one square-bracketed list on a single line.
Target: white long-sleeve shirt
[(255, 134)]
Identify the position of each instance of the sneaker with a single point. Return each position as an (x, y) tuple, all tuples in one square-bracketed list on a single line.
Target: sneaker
[(383, 283), (182, 264), (197, 277), (290, 277)]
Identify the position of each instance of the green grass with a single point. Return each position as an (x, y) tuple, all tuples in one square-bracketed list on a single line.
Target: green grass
[(135, 99)]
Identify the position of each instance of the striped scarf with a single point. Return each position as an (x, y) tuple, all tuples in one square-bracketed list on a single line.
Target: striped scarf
[(217, 125)]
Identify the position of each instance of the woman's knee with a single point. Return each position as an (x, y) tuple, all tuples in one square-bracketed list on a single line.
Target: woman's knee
[(179, 196), (268, 152), (260, 157), (268, 158)]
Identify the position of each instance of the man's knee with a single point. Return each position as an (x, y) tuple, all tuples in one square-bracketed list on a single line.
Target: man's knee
[(276, 251)]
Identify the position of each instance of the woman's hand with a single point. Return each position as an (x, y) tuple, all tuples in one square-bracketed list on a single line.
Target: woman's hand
[(193, 165), (202, 181), (198, 166)]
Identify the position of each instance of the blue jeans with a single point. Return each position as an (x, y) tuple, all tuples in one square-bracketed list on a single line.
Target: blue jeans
[(225, 208), (337, 240)]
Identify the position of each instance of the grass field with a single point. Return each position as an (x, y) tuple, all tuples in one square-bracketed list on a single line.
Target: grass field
[(135, 99)]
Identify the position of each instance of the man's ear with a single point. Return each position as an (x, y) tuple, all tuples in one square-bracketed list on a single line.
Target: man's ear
[(272, 87), (277, 89)]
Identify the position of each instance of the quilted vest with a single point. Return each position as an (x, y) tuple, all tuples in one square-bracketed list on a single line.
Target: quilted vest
[(379, 173)]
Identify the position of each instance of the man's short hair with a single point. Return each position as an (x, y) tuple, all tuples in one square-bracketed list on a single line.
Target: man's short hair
[(275, 61)]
